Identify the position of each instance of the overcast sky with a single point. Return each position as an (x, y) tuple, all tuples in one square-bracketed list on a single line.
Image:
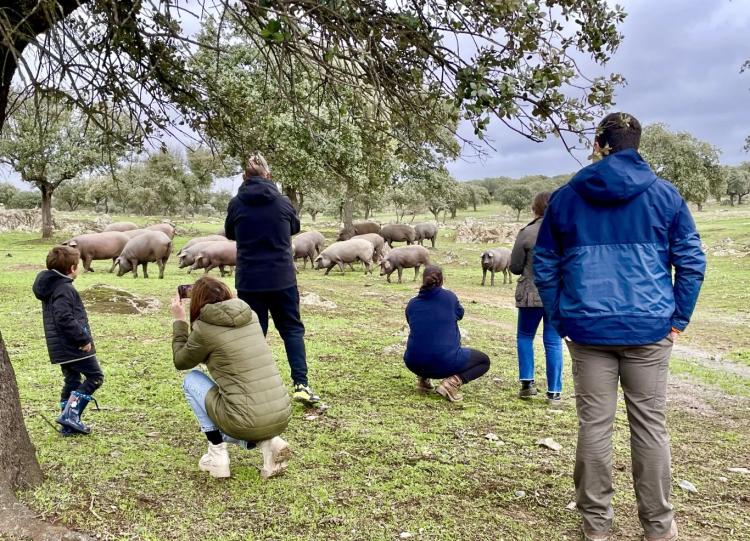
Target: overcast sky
[(682, 61)]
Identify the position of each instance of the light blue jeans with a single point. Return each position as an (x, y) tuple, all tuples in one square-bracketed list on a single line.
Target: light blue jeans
[(196, 386), (528, 322)]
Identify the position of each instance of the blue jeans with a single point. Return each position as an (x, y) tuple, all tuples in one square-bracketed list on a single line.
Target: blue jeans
[(528, 322), (196, 386)]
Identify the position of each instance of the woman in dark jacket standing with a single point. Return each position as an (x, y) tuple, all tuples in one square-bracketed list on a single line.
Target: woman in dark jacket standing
[(531, 312), (434, 346)]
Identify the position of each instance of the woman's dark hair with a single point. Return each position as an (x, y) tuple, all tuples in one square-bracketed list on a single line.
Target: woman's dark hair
[(432, 277), (207, 290), (540, 202), (618, 131)]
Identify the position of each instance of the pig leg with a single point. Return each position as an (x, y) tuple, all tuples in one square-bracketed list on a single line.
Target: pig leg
[(510, 276), (388, 277), (145, 269), (221, 270), (210, 267), (114, 264), (329, 269), (492, 277), (433, 241), (161, 264), (484, 275), (343, 269), (400, 272), (416, 271), (134, 265), (87, 264)]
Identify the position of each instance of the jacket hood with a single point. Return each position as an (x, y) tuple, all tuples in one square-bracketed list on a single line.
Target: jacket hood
[(258, 191), (617, 178), (46, 282), (231, 313)]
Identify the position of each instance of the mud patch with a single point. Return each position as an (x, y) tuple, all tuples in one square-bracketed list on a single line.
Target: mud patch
[(687, 397), (714, 361), (112, 300), (25, 267)]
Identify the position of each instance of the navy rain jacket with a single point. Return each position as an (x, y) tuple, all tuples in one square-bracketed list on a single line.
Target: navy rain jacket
[(605, 253), (262, 221), (66, 325), (434, 344)]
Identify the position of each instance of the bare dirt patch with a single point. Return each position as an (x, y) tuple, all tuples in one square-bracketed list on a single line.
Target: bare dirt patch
[(112, 300), (714, 361), (25, 267)]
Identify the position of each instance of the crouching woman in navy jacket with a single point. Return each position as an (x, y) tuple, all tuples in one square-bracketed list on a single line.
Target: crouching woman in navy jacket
[(434, 346)]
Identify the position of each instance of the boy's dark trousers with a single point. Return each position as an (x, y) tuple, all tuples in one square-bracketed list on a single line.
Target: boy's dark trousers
[(72, 372)]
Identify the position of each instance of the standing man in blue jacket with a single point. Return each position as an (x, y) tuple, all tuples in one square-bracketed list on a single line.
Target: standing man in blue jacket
[(603, 266), (262, 221)]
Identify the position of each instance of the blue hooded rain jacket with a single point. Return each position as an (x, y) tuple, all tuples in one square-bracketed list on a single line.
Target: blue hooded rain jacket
[(606, 250)]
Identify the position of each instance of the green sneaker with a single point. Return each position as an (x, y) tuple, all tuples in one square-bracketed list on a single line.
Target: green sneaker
[(303, 393)]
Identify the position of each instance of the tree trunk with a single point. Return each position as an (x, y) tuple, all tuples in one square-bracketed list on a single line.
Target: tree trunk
[(474, 204), (46, 190), (313, 215), (347, 212), (294, 197), (518, 216), (700, 206), (367, 212), (18, 465), (731, 200)]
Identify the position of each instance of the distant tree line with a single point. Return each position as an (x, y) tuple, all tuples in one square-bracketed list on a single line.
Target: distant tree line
[(163, 183)]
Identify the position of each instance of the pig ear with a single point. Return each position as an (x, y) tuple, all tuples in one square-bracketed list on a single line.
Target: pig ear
[(71, 243)]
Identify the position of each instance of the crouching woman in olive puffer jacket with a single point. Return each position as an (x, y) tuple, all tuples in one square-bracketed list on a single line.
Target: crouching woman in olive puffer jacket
[(246, 402)]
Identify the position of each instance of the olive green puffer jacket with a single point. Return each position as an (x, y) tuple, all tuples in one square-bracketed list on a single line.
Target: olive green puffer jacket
[(249, 401)]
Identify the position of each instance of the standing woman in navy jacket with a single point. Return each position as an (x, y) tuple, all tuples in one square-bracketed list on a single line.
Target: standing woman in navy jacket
[(434, 346)]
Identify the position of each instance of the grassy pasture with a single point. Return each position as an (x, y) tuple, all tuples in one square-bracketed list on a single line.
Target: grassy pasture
[(382, 462)]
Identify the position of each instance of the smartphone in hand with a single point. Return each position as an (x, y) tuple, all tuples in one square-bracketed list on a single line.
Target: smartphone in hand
[(185, 291)]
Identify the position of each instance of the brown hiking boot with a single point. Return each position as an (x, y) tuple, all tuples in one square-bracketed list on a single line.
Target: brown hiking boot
[(671, 535), (588, 535), (424, 384), (449, 389)]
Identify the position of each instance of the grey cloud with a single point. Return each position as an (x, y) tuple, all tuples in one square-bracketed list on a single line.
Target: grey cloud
[(682, 60)]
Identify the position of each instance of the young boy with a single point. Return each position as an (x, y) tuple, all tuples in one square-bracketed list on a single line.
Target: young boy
[(69, 341)]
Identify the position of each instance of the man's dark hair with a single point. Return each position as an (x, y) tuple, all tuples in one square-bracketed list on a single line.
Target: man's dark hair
[(618, 131), (62, 258)]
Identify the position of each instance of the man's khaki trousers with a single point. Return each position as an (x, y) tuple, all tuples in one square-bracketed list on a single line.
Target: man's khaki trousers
[(642, 372)]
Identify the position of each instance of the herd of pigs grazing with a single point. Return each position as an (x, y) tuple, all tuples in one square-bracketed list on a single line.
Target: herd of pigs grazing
[(129, 247)]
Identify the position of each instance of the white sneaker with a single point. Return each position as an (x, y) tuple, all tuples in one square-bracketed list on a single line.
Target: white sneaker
[(276, 454), (216, 461)]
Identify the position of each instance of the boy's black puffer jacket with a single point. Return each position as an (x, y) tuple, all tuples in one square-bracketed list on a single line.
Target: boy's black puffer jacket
[(66, 326)]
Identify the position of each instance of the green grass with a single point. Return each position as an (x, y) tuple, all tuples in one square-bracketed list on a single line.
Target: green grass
[(382, 459)]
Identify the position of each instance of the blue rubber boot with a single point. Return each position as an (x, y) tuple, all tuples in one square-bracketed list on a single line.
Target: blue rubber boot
[(64, 430), (71, 415)]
